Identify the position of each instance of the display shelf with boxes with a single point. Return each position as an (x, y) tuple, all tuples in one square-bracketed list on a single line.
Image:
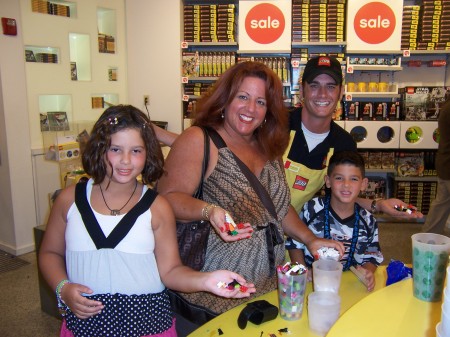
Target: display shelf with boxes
[(42, 54), (55, 7), (65, 146), (106, 23), (80, 57)]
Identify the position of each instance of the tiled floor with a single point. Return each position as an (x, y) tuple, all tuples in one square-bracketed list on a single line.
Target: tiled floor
[(20, 311)]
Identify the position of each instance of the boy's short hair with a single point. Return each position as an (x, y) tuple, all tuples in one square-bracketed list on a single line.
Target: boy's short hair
[(347, 157)]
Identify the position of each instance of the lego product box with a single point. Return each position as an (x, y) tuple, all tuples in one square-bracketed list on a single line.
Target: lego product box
[(410, 164), (422, 103)]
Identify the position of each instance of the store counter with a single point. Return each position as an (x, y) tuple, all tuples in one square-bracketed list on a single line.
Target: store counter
[(352, 291)]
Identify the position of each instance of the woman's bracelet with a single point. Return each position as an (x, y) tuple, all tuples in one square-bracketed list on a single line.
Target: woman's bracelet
[(206, 211), (61, 304)]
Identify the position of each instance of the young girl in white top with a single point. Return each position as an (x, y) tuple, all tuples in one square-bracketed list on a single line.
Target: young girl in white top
[(110, 247)]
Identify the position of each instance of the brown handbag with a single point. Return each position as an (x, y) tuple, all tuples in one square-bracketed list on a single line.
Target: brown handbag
[(193, 236)]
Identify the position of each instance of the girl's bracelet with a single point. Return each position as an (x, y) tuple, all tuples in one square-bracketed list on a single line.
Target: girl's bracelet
[(61, 304)]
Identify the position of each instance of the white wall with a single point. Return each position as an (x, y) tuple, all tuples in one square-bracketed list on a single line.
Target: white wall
[(17, 207), (154, 58), (54, 79)]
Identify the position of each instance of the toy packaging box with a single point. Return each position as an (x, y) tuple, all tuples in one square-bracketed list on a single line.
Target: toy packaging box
[(423, 103), (410, 164)]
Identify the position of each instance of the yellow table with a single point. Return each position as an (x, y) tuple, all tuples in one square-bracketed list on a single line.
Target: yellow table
[(391, 311), (351, 292)]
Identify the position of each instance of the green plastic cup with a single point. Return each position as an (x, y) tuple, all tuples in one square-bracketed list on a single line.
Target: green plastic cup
[(430, 258)]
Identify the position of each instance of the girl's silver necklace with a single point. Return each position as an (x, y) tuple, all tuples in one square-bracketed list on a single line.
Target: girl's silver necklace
[(117, 211)]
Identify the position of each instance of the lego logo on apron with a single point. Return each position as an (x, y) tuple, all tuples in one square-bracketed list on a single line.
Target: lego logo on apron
[(300, 183), (265, 23), (374, 23)]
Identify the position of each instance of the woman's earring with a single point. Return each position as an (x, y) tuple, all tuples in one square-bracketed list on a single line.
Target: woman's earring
[(222, 115), (264, 122)]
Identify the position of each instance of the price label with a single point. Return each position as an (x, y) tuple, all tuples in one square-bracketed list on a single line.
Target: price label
[(350, 69), (185, 98), (406, 53), (184, 79), (295, 63), (184, 45), (348, 97)]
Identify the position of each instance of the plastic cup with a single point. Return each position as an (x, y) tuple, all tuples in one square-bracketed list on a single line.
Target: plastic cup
[(445, 323), (447, 287), (446, 301), (351, 86), (430, 257), (323, 311), (383, 86), (373, 86), (327, 275), (439, 332), (291, 295), (362, 86)]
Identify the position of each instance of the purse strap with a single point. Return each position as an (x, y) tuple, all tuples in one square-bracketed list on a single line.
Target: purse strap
[(253, 180), (199, 193)]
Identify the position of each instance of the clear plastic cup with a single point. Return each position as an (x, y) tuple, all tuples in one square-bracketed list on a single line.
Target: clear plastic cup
[(445, 322), (430, 258), (327, 275), (439, 332), (291, 295), (323, 311)]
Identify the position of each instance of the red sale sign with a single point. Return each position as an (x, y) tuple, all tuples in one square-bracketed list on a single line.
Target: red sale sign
[(267, 26), (374, 25)]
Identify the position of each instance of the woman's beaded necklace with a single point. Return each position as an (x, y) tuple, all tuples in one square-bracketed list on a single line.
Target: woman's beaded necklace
[(327, 235)]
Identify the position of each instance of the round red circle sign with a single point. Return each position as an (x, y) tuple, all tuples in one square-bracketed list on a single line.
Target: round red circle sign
[(374, 22), (265, 23)]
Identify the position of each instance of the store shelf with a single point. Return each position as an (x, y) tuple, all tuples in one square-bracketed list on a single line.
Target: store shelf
[(392, 94), (424, 178), (208, 44), (55, 7), (80, 56), (374, 67), (319, 44), (42, 54), (106, 27), (425, 52)]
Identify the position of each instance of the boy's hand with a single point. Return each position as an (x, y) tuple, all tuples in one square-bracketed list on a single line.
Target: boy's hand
[(365, 275)]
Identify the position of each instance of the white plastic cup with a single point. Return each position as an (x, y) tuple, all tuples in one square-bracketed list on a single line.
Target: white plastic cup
[(439, 332), (327, 275), (430, 258), (445, 323), (324, 308), (446, 302), (447, 287)]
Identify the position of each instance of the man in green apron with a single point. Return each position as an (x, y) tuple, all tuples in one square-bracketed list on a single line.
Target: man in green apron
[(314, 137)]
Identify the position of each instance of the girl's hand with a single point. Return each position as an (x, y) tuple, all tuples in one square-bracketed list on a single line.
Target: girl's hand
[(218, 222), (81, 306), (217, 282)]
